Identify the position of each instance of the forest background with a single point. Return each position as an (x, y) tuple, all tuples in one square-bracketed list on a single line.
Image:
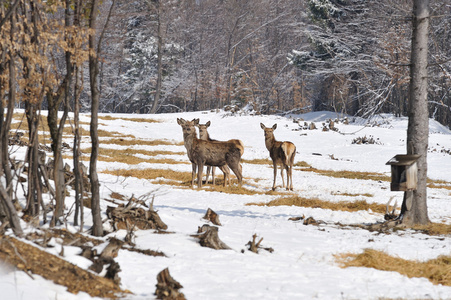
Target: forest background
[(347, 56)]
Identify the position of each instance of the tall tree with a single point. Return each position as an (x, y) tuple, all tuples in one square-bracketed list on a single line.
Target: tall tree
[(54, 101), (94, 58), (156, 98), (7, 210), (97, 228), (414, 207)]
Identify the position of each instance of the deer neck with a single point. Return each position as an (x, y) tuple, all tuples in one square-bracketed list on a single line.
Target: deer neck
[(205, 137), (270, 142), (189, 140)]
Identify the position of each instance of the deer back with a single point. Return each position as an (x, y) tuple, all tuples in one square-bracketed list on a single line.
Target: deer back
[(215, 153)]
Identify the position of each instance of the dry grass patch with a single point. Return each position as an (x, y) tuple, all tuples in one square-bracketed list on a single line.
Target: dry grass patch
[(317, 203), (434, 228), (130, 142), (111, 118), (351, 195), (151, 174), (261, 161), (439, 184), (438, 270), (179, 179), (349, 174), (235, 189), (128, 156)]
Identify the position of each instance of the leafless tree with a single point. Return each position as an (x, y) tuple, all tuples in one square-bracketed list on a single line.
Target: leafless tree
[(414, 207)]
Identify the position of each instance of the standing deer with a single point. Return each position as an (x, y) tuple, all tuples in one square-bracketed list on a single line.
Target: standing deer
[(210, 153), (281, 153), (203, 135)]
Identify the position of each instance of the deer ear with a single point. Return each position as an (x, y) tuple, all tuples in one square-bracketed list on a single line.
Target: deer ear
[(274, 126), (196, 121), (262, 126), (180, 121), (208, 124)]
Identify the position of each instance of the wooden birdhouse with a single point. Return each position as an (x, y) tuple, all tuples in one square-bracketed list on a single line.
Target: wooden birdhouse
[(404, 172)]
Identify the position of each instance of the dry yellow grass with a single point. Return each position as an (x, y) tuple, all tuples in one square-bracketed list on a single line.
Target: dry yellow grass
[(128, 156), (438, 270), (349, 174), (351, 195), (134, 141), (434, 228), (111, 118), (261, 161), (179, 179), (350, 206)]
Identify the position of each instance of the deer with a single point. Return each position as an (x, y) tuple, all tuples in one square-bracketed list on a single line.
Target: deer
[(210, 153), (281, 153), (204, 135)]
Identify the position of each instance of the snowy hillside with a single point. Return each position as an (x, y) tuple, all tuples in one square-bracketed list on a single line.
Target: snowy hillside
[(302, 265)]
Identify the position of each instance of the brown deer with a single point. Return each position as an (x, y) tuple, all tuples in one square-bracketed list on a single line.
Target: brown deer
[(281, 153), (203, 135), (210, 153)]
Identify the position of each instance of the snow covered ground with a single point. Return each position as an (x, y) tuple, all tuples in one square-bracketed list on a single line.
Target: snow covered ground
[(302, 265)]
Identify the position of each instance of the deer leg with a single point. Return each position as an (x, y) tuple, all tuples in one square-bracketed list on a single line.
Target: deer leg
[(237, 171), (200, 170), (193, 174), (226, 172), (290, 169), (213, 175), (282, 167), (208, 174), (275, 175), (287, 169)]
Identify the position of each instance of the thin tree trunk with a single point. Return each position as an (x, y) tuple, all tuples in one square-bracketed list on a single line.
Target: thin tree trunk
[(97, 229), (6, 203), (159, 61), (76, 157), (414, 207), (94, 53)]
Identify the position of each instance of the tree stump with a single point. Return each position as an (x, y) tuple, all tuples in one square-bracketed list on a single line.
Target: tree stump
[(212, 217), (168, 287), (208, 237)]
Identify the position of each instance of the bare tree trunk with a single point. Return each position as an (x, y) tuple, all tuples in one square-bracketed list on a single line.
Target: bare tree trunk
[(76, 157), (97, 229), (79, 213), (6, 204), (94, 53), (414, 207), (34, 190), (56, 131), (156, 98), (6, 123)]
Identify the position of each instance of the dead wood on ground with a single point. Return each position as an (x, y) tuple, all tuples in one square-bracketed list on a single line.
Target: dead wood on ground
[(208, 237), (212, 217), (254, 247), (167, 287), (132, 214)]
